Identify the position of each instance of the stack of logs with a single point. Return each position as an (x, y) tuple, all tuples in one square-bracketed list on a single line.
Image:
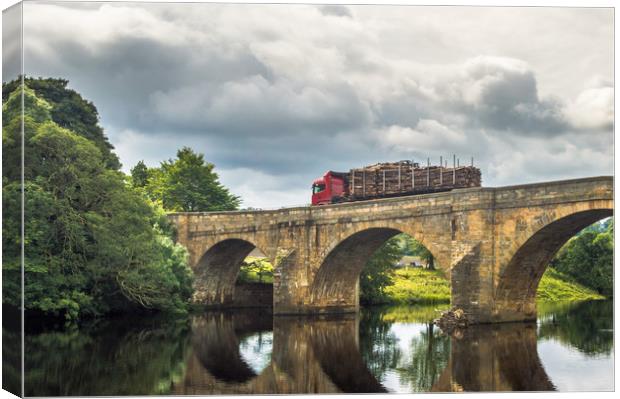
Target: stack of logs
[(403, 177)]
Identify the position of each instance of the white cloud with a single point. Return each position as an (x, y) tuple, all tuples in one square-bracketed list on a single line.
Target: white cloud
[(533, 159), (428, 134), (262, 190), (594, 107)]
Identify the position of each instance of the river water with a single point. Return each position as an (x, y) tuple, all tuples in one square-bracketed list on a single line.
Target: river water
[(392, 349)]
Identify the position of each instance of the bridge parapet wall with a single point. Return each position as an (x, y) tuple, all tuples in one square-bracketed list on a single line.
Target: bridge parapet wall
[(474, 234)]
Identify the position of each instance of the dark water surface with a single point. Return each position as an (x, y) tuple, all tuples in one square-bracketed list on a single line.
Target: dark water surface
[(392, 349)]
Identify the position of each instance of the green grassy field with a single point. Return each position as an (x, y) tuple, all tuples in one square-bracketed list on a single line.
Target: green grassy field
[(417, 285), (421, 286), (556, 286)]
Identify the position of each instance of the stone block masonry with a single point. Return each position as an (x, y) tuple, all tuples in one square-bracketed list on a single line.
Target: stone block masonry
[(493, 243)]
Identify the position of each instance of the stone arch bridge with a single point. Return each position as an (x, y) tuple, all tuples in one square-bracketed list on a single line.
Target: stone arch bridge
[(493, 243)]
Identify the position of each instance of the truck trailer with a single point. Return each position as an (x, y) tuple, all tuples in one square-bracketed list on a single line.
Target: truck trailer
[(391, 179)]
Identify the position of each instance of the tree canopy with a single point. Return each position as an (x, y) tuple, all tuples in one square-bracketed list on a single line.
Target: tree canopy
[(588, 257), (93, 244), (185, 184), (378, 272), (412, 247), (69, 110)]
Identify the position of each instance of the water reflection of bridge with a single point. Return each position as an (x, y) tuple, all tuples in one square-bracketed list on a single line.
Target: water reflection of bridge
[(495, 358), (322, 355), (307, 357)]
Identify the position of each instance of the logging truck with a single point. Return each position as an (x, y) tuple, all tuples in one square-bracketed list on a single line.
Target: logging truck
[(391, 179)]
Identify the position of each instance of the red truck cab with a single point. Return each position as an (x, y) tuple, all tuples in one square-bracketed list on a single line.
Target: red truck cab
[(327, 189)]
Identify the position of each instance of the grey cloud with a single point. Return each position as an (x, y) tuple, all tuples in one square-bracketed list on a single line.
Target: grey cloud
[(336, 10), (125, 76), (11, 43), (499, 95), (290, 100), (511, 103), (255, 106), (502, 94)]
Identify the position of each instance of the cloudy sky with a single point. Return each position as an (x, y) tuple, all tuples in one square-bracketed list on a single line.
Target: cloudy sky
[(274, 95)]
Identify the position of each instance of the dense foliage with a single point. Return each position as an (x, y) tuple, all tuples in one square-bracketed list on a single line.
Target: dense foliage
[(93, 245), (378, 273), (69, 110), (588, 257), (185, 184)]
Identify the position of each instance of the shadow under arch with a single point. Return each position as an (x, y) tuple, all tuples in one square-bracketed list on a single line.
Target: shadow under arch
[(518, 281), (338, 340), (216, 272), (336, 282)]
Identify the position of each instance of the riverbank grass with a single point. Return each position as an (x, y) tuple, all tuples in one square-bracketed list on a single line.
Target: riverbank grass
[(421, 286), (555, 286)]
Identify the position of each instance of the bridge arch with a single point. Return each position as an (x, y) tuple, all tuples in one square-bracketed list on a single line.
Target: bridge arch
[(534, 248), (216, 271), (335, 285)]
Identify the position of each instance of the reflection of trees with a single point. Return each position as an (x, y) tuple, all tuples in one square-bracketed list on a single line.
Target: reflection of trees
[(11, 360), (120, 358), (429, 357), (586, 326), (419, 314), (378, 345), (309, 354), (429, 351)]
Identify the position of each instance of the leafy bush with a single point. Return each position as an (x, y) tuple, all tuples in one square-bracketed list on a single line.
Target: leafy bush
[(588, 258)]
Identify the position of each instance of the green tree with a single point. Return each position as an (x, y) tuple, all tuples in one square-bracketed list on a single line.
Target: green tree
[(69, 110), (588, 258), (420, 250), (412, 247), (188, 184), (378, 272), (140, 175), (93, 244)]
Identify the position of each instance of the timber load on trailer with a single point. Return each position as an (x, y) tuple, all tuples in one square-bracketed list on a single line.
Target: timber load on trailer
[(390, 180)]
